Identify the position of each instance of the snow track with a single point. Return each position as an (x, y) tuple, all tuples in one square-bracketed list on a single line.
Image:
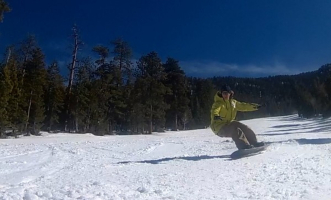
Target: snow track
[(174, 165)]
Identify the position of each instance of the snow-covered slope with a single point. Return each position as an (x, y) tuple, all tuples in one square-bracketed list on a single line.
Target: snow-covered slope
[(174, 165)]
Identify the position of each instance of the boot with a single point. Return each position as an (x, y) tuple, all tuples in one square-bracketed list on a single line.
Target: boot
[(259, 144)]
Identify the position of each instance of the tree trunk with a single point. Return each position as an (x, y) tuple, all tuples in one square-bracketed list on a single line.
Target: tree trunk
[(110, 129), (29, 109), (8, 56), (76, 124), (74, 60), (176, 121), (71, 76), (151, 121)]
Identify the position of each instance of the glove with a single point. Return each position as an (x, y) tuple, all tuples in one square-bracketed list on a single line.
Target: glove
[(217, 118), (257, 106)]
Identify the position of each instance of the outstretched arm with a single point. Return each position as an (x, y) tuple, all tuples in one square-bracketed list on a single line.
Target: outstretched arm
[(242, 106)]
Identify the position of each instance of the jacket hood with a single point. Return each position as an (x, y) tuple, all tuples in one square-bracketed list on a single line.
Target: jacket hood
[(218, 97)]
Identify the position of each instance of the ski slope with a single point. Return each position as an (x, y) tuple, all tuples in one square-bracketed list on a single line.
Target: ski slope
[(184, 165)]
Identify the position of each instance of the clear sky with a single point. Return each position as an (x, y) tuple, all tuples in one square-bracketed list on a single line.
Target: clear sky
[(244, 38)]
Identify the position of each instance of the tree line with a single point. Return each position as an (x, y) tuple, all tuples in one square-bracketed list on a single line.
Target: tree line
[(108, 95), (114, 95)]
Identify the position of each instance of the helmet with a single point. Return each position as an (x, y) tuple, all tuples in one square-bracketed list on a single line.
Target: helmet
[(226, 88)]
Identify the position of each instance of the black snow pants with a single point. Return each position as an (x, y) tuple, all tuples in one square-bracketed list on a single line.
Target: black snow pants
[(241, 134)]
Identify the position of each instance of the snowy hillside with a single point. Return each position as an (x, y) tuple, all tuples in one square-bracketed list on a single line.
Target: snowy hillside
[(175, 165)]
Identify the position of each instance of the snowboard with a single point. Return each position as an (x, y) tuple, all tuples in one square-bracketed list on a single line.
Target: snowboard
[(248, 152)]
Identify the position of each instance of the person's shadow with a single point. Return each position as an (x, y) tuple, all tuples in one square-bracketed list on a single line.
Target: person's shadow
[(189, 158)]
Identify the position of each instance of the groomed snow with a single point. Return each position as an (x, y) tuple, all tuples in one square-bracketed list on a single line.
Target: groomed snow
[(184, 165)]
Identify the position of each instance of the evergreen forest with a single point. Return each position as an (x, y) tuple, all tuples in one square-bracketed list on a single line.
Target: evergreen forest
[(110, 92)]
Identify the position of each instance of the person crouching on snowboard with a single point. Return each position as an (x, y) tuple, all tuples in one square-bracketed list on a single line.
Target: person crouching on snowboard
[(223, 114)]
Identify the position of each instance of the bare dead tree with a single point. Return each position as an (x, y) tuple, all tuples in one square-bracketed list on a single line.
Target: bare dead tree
[(72, 67)]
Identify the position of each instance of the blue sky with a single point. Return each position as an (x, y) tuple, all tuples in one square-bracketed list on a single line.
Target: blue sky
[(253, 38)]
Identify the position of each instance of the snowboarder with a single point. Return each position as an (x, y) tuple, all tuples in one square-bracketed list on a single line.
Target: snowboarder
[(223, 123)]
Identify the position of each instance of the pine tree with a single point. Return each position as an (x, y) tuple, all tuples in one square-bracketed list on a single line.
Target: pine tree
[(4, 7), (103, 85), (16, 114), (201, 100), (86, 105), (121, 67), (103, 52), (178, 99), (22, 103), (54, 97), (122, 60), (110, 100), (5, 89), (150, 90), (113, 101), (34, 86)]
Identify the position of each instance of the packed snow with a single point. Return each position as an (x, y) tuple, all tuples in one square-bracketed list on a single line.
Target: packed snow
[(185, 165)]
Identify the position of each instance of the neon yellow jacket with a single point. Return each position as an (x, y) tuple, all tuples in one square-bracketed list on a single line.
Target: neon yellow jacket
[(227, 110)]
